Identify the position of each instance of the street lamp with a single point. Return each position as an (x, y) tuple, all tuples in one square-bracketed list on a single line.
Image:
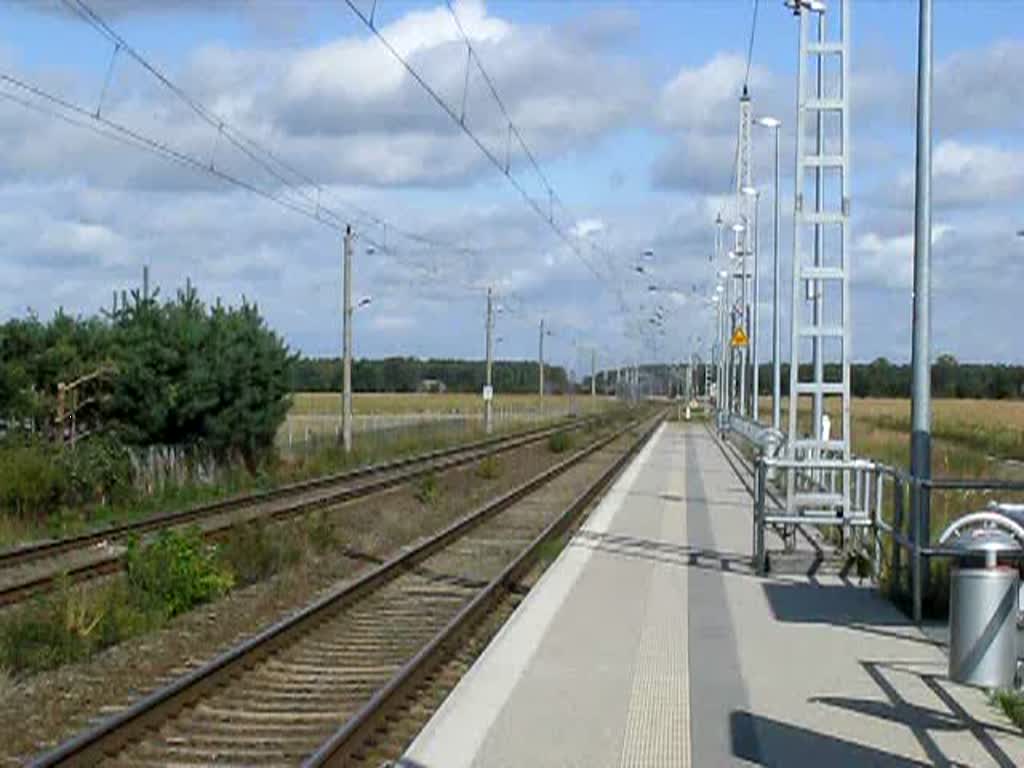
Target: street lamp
[(773, 123), (755, 193)]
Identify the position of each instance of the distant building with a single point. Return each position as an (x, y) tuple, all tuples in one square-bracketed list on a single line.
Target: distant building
[(434, 386)]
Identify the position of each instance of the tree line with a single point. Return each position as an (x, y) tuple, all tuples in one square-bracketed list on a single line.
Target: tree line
[(411, 374), (879, 378)]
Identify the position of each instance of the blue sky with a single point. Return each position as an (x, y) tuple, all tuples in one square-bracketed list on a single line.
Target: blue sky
[(629, 107)]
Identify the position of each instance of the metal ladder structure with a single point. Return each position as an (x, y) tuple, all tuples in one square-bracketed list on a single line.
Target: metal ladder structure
[(820, 316)]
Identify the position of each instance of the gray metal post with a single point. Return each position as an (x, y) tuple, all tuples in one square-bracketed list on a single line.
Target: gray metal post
[(754, 325), (744, 323), (346, 353), (488, 410), (776, 302), (921, 392)]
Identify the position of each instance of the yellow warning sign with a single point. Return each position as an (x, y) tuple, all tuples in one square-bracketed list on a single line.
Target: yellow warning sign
[(739, 337)]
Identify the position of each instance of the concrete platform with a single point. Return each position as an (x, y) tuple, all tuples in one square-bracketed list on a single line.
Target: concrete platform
[(650, 642)]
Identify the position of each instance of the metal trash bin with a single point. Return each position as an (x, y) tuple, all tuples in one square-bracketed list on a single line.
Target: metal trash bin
[(983, 610)]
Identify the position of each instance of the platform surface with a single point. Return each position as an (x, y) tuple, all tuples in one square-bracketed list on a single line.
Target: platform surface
[(649, 642)]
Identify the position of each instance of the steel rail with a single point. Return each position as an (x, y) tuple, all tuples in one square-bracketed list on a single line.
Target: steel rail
[(347, 740), (406, 469), (112, 734)]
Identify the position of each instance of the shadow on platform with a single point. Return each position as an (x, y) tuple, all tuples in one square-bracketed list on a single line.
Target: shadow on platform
[(892, 677), (764, 741), (812, 602), (681, 555)]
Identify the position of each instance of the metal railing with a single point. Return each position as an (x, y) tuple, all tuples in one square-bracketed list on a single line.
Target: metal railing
[(878, 506), (876, 489)]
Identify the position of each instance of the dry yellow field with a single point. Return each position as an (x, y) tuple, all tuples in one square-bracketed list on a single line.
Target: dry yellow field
[(881, 428), (315, 403)]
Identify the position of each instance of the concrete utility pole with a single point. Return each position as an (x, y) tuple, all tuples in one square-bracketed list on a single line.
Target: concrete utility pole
[(593, 375), (488, 388), (921, 388), (540, 360), (346, 351), (744, 241)]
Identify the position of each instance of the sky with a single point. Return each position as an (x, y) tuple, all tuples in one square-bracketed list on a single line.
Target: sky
[(629, 109)]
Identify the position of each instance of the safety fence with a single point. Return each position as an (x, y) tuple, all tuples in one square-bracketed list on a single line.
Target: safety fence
[(882, 514)]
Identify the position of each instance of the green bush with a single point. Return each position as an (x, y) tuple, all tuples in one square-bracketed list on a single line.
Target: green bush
[(559, 442), (176, 571), (31, 481), (97, 471)]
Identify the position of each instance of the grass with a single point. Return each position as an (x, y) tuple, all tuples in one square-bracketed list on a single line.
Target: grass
[(489, 468), (989, 427), (1012, 703), (429, 490), (560, 442), (549, 550)]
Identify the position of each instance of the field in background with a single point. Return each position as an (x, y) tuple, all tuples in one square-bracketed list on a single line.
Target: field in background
[(315, 417), (969, 432), (372, 403)]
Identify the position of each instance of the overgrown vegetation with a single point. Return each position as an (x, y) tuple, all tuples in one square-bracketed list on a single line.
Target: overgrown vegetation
[(489, 468), (166, 577), (428, 490), (176, 571), (257, 550), (560, 441)]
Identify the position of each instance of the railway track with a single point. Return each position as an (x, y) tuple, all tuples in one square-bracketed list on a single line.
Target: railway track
[(36, 568), (319, 687)]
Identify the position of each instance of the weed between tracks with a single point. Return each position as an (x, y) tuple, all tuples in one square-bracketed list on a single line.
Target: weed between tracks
[(489, 468), (560, 442), (164, 578)]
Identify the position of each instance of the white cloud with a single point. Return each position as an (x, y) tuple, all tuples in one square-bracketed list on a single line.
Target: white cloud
[(587, 227), (889, 261), (344, 110), (699, 111)]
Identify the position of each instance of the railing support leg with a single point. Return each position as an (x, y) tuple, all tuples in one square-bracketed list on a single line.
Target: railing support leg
[(760, 483)]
